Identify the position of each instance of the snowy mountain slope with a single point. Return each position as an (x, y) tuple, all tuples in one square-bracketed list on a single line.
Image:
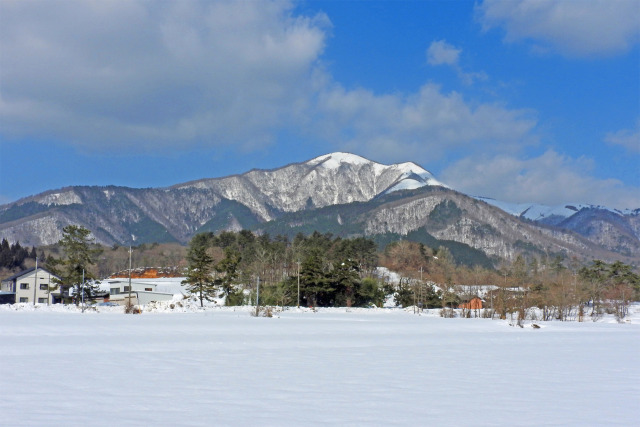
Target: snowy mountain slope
[(614, 229), (544, 213), (126, 215), (121, 215), (331, 179), (437, 215)]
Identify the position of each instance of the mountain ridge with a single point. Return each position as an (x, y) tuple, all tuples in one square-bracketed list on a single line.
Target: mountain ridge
[(125, 215)]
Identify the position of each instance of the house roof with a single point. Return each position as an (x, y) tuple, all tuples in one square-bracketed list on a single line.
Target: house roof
[(150, 273), (25, 272), (468, 298)]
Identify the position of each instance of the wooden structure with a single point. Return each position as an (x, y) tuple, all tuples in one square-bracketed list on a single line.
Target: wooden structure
[(473, 303)]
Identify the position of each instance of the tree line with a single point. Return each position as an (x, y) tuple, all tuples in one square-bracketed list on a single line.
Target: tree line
[(547, 286), (318, 270), (14, 257), (321, 270)]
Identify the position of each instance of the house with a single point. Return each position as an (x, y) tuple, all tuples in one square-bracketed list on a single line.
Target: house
[(142, 291), (30, 286), (471, 303), (147, 285)]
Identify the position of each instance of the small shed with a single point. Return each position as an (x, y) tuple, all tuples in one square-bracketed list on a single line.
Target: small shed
[(471, 303)]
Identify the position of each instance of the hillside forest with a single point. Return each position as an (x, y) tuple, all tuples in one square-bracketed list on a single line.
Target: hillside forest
[(334, 271)]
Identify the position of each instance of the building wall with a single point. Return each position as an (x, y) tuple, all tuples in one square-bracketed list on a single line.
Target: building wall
[(115, 287), (39, 278)]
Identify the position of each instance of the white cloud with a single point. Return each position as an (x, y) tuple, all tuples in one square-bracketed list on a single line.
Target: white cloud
[(155, 74), (628, 138), (440, 52), (548, 179), (575, 28), (168, 75), (424, 125)]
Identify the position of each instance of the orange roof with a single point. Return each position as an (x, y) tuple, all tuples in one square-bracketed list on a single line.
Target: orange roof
[(149, 273)]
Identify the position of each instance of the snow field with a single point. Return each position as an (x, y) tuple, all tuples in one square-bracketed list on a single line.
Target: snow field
[(332, 367)]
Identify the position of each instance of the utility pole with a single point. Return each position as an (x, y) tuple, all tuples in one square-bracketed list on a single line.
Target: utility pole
[(130, 276), (35, 283), (258, 297), (421, 291), (82, 290), (298, 283)]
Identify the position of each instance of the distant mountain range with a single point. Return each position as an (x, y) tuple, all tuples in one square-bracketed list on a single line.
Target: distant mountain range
[(341, 193)]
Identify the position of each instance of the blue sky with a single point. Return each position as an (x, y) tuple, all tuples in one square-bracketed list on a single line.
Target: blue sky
[(523, 101)]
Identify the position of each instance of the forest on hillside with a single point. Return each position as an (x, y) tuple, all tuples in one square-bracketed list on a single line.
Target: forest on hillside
[(326, 270)]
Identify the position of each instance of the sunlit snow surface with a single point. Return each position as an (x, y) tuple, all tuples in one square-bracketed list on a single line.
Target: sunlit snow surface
[(413, 176), (331, 367)]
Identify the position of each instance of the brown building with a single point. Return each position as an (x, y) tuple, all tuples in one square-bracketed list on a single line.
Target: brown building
[(473, 303)]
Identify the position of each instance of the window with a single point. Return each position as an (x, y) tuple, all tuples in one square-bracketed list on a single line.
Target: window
[(114, 291), (148, 289), (44, 286), (24, 286), (42, 300), (126, 289), (24, 299)]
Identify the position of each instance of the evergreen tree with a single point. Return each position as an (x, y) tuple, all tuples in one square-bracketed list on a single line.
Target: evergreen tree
[(370, 292), (199, 280), (227, 268), (314, 283), (19, 254), (6, 257), (346, 281), (80, 254), (404, 295)]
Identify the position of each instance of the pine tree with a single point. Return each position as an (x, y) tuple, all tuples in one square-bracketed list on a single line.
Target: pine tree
[(6, 257), (314, 283), (79, 255), (199, 280), (346, 281), (227, 268)]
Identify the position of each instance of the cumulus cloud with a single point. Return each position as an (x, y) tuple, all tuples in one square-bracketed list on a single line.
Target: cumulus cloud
[(140, 75), (575, 28), (628, 138), (143, 75), (424, 125), (440, 52), (549, 179), (155, 74)]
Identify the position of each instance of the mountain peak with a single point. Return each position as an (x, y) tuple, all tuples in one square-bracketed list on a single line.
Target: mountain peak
[(411, 175), (334, 160)]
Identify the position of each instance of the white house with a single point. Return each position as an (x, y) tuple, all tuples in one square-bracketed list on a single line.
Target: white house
[(31, 286), (143, 290)]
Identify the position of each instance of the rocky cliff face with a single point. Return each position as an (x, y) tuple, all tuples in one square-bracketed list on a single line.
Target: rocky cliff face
[(131, 216)]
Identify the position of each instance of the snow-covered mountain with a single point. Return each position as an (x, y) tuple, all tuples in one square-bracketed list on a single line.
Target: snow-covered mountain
[(332, 179), (615, 229), (398, 198), (552, 215), (127, 215)]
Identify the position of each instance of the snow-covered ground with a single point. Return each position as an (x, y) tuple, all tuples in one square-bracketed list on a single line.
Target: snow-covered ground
[(219, 366)]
